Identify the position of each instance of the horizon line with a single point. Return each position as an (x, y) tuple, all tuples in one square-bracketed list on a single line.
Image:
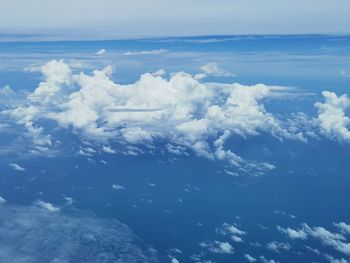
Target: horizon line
[(25, 38)]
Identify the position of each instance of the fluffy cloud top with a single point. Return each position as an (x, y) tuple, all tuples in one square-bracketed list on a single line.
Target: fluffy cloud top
[(214, 70), (332, 117), (181, 110)]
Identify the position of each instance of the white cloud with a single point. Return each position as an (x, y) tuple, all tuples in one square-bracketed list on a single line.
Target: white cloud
[(278, 247), (108, 149), (230, 229), (332, 118), (101, 52), (118, 187), (184, 112), (336, 240), (69, 200), (218, 247), (212, 69), (56, 74), (236, 238), (292, 233), (17, 167), (249, 258), (48, 206), (265, 260), (331, 259), (159, 72), (148, 52), (2, 200), (343, 227)]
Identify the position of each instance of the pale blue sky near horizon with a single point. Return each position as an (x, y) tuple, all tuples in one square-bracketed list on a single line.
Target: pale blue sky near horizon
[(107, 19)]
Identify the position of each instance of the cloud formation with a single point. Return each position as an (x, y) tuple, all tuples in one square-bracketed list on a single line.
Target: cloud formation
[(17, 167), (218, 247), (36, 235), (213, 69), (147, 52), (181, 110), (332, 118), (338, 241)]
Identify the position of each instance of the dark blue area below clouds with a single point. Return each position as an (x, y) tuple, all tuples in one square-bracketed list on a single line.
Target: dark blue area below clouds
[(311, 183)]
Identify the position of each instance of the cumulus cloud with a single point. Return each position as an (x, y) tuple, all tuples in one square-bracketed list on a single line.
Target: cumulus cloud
[(233, 230), (332, 118), (213, 69), (249, 258), (336, 240), (292, 233), (218, 247), (184, 112), (35, 235), (343, 227), (332, 259), (278, 247), (265, 260), (118, 187), (17, 167)]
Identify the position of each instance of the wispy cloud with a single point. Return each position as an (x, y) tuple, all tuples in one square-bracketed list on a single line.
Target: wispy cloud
[(147, 52)]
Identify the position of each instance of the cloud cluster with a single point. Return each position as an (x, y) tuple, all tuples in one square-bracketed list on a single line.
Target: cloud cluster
[(333, 239), (332, 118), (34, 235), (181, 110), (218, 247), (231, 230), (213, 69)]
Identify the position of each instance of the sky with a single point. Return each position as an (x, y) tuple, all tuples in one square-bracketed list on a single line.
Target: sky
[(108, 19)]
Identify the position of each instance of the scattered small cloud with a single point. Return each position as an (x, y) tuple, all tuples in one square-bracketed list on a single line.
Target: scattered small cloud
[(278, 247), (249, 258), (213, 69), (218, 247), (108, 149), (101, 52), (48, 206), (17, 167), (118, 187)]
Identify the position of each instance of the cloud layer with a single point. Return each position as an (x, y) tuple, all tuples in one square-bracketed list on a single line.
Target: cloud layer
[(184, 112), (34, 235), (180, 112)]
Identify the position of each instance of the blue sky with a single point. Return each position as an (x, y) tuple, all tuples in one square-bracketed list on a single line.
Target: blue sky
[(109, 19)]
